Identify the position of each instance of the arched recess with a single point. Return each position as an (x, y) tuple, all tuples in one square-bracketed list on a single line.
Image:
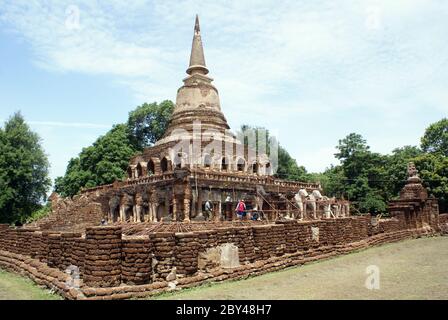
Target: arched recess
[(139, 170), (130, 172), (225, 164), (268, 170), (255, 168), (207, 161), (240, 165), (151, 168), (180, 159), (164, 164)]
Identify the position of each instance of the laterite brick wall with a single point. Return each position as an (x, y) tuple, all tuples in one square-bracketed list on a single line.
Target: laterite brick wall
[(106, 259)]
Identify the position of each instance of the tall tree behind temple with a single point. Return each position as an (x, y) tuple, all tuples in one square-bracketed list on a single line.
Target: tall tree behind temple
[(288, 168), (433, 164), (435, 139), (101, 163), (108, 157), (363, 174), (371, 180), (433, 169), (24, 166), (148, 122)]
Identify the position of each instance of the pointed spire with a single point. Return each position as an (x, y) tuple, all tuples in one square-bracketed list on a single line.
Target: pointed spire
[(197, 59), (197, 28)]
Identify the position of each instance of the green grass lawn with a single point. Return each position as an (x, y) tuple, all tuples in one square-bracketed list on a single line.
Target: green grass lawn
[(14, 287)]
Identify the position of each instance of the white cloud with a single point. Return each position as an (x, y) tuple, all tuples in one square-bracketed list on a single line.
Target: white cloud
[(69, 124)]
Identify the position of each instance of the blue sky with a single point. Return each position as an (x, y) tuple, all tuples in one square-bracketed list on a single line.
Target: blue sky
[(311, 71)]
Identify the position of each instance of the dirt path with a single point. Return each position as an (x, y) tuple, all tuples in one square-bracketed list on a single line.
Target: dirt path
[(413, 269)]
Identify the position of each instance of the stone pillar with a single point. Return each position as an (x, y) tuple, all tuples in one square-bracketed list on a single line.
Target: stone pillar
[(218, 210), (200, 215), (167, 204), (155, 210), (187, 203), (187, 210), (122, 213), (153, 205), (139, 207), (103, 256), (194, 204), (174, 206), (275, 213)]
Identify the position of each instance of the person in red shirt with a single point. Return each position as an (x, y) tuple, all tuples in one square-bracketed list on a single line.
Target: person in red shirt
[(241, 209)]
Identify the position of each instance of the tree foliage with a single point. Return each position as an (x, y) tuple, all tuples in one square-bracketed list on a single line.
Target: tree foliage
[(101, 163), (371, 179), (24, 180), (287, 168), (349, 146), (435, 139), (108, 158), (433, 169), (396, 169), (148, 122)]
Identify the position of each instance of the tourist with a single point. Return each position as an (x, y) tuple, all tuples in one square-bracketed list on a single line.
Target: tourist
[(208, 209), (228, 208), (241, 209), (254, 216)]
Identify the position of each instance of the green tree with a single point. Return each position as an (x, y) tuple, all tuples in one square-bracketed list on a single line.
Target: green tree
[(350, 145), (396, 173), (372, 202), (24, 180), (102, 163), (108, 158), (435, 139), (333, 181), (148, 122), (287, 168), (433, 169), (364, 173)]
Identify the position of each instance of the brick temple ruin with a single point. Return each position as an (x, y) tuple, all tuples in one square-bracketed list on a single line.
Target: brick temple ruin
[(197, 160), (148, 234)]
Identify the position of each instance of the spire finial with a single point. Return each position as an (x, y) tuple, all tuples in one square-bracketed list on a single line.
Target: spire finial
[(197, 28), (197, 59)]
